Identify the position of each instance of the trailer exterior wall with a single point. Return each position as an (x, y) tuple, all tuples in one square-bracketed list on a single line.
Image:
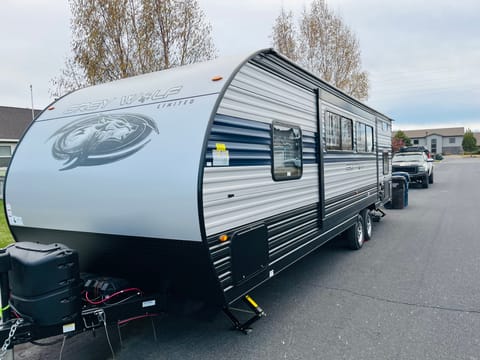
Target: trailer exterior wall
[(255, 96), (299, 214)]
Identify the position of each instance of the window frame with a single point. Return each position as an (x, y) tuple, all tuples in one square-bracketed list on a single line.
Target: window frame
[(385, 159), (361, 128), (433, 145), (6, 157), (342, 121), (275, 175), (339, 145)]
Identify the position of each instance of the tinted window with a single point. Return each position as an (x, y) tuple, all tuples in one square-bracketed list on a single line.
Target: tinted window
[(287, 152)]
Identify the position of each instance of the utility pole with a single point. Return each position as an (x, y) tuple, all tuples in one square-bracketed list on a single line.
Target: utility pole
[(31, 97)]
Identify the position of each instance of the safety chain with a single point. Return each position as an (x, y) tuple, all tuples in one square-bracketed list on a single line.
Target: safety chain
[(8, 340)]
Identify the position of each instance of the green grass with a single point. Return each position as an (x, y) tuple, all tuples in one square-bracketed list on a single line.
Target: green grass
[(5, 235)]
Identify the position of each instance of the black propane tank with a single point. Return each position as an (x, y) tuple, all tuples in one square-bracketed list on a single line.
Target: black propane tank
[(45, 285)]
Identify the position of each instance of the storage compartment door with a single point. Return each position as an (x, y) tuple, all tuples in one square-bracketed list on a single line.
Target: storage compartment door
[(249, 252)]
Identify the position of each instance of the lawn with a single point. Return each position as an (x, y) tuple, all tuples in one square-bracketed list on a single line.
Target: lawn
[(5, 236)]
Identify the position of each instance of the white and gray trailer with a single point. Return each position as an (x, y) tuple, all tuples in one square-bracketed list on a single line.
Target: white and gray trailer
[(206, 180)]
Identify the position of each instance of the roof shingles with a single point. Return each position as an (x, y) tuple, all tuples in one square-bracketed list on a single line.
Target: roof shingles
[(14, 121), (456, 131)]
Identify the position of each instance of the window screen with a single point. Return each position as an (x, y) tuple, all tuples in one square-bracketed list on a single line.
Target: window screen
[(287, 152)]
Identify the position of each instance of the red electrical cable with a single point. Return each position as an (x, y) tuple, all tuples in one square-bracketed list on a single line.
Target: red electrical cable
[(108, 297), (121, 322)]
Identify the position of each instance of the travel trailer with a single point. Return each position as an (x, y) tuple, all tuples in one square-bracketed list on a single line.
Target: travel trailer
[(202, 181)]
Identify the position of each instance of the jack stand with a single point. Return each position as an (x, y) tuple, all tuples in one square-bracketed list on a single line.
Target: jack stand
[(257, 312), (376, 217)]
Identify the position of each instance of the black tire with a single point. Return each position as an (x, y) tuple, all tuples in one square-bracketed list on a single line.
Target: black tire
[(425, 182), (430, 178), (367, 224), (355, 236)]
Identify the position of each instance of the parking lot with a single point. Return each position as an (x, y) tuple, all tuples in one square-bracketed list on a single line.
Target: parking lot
[(412, 292)]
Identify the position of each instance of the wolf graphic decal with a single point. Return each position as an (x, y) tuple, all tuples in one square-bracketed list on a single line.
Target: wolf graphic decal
[(101, 139)]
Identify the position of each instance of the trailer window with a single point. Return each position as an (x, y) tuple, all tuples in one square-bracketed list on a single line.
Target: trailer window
[(386, 163), (338, 132), (361, 141), (364, 138), (347, 130), (287, 152), (332, 131), (369, 131)]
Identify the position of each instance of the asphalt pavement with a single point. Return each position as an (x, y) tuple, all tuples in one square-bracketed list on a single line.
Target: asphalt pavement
[(412, 292)]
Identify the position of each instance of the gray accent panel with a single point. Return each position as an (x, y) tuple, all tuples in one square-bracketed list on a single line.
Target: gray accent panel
[(151, 193)]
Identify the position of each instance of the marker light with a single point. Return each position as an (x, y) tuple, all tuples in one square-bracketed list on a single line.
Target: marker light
[(217, 78), (223, 238)]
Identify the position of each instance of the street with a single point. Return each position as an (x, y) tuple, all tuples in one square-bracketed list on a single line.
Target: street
[(412, 292)]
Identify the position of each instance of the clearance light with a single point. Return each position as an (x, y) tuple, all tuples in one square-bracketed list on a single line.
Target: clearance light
[(217, 78), (223, 238), (51, 108)]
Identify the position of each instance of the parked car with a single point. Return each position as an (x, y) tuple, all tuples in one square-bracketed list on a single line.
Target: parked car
[(417, 164)]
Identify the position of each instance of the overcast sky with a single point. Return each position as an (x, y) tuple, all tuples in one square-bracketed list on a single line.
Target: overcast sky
[(422, 56)]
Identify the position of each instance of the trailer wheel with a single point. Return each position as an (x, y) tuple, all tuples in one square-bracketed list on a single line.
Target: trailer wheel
[(367, 224), (355, 236)]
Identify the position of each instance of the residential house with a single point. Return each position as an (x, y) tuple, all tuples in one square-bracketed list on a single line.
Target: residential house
[(477, 136), (13, 122), (445, 141)]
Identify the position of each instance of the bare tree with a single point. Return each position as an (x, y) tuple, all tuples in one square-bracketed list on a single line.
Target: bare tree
[(114, 39), (284, 35), (323, 44), (176, 33)]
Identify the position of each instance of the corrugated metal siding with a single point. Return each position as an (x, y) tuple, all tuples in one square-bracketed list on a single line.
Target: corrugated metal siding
[(257, 95), (384, 137), (248, 142), (286, 233), (348, 182), (235, 196), (345, 177), (245, 191)]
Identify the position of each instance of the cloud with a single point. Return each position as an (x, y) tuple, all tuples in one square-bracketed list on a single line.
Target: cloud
[(422, 56)]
